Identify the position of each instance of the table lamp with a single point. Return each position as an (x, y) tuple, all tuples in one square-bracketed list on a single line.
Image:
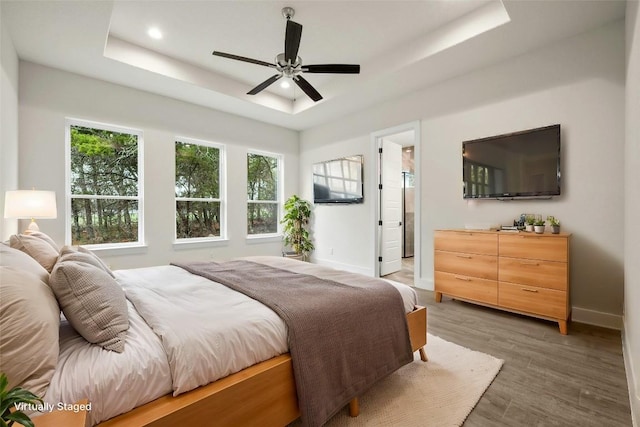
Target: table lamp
[(20, 204)]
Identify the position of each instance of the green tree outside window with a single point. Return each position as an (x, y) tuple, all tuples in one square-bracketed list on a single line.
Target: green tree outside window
[(262, 191), (104, 185)]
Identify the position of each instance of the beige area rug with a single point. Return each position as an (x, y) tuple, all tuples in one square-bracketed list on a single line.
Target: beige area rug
[(441, 392)]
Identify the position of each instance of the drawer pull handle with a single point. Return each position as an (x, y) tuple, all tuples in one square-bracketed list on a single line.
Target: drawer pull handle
[(529, 263), (535, 291), (466, 279), (464, 256)]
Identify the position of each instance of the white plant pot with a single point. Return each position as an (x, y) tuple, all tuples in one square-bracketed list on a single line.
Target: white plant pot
[(528, 227), (538, 229), (555, 229)]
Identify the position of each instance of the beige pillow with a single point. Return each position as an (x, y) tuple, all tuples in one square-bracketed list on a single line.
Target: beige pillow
[(101, 263), (92, 301), (29, 321), (42, 236), (10, 257), (39, 249), (67, 253)]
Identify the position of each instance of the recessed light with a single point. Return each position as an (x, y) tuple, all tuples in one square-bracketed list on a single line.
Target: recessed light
[(284, 84), (155, 33)]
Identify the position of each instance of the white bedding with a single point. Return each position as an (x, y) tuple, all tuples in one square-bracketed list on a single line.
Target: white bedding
[(235, 332), (208, 331), (113, 382)]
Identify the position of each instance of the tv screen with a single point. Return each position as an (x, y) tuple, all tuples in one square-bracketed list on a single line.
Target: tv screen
[(338, 181), (520, 164)]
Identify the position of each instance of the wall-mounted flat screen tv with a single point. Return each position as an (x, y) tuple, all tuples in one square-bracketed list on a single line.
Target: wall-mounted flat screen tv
[(338, 181), (515, 165)]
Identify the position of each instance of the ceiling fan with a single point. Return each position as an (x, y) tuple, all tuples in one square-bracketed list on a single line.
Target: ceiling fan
[(289, 64)]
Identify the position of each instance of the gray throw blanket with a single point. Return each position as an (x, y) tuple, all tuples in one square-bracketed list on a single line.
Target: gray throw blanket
[(342, 338)]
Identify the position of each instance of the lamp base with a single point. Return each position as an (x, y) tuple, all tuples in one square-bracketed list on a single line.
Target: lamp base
[(32, 227)]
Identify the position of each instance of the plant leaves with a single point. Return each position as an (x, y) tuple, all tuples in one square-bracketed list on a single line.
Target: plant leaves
[(20, 417)]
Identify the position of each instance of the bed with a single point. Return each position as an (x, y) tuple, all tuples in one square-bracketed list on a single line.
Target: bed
[(256, 385)]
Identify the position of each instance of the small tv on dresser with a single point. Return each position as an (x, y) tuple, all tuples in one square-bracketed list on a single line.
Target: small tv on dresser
[(522, 164)]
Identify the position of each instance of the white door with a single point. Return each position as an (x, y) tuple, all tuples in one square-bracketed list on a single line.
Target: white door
[(391, 207)]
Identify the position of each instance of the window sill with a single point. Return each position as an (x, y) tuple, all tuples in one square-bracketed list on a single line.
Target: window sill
[(264, 238), (118, 248), (195, 243)]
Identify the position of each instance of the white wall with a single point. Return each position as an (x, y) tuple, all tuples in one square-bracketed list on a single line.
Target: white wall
[(48, 96), (341, 237), (578, 83), (631, 333), (8, 126)]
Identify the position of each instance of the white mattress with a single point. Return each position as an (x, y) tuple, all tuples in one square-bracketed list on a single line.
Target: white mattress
[(237, 332)]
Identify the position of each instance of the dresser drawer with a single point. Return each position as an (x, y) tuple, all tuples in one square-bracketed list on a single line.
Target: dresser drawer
[(471, 288), (482, 266), (532, 246), (534, 272), (467, 242), (531, 299)]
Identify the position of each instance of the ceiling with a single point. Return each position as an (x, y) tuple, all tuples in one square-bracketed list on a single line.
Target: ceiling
[(402, 46)]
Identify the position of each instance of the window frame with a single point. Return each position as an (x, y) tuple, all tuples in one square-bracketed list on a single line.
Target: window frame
[(69, 122), (279, 196), (222, 192)]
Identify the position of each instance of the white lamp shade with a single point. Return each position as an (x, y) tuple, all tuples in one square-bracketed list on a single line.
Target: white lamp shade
[(30, 204)]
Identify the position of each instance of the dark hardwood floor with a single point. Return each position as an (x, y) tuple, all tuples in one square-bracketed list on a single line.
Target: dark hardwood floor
[(548, 379)]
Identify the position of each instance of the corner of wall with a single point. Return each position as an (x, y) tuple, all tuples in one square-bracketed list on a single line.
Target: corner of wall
[(629, 363), (597, 318), (8, 124)]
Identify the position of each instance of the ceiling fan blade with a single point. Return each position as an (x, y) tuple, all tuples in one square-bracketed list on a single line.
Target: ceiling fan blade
[(292, 37), (307, 88), (242, 58), (332, 68), (262, 86)]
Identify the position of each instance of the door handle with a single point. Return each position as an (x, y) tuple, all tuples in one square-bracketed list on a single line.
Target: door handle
[(400, 224)]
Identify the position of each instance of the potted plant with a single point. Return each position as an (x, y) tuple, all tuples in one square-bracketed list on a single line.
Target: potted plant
[(295, 220), (529, 220), (538, 226), (554, 223), (8, 400)]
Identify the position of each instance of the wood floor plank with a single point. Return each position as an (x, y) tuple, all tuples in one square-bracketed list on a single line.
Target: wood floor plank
[(548, 379)]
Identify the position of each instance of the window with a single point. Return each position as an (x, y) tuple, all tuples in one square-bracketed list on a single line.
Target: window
[(104, 184), (263, 181), (199, 188)]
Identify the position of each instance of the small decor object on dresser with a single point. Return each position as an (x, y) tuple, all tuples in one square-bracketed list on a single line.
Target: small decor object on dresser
[(538, 226), (529, 220), (554, 223)]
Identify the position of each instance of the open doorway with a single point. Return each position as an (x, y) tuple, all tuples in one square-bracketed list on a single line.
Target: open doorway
[(397, 210)]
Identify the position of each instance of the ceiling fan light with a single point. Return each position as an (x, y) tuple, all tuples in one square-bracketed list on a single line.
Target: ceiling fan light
[(284, 84)]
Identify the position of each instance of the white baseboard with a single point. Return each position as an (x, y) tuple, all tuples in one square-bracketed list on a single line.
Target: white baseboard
[(341, 266), (597, 318), (632, 383)]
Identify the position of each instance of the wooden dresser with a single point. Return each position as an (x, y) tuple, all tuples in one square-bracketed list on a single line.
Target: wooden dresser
[(521, 272)]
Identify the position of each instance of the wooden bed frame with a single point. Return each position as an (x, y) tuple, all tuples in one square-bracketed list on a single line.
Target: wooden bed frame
[(262, 395)]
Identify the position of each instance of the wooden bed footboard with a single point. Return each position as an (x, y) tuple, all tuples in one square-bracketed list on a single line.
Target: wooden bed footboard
[(260, 395)]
